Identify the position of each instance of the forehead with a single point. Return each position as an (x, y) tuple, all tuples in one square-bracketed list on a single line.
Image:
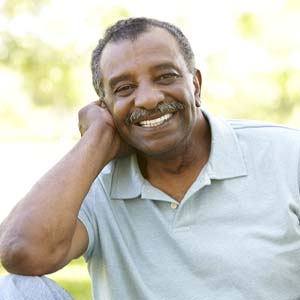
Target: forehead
[(151, 48)]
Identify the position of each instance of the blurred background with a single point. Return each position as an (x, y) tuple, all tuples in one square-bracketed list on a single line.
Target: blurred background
[(248, 53)]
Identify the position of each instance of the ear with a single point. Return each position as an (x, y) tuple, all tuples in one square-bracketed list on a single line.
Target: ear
[(197, 81)]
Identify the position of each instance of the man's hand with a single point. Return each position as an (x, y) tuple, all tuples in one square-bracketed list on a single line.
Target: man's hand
[(95, 116)]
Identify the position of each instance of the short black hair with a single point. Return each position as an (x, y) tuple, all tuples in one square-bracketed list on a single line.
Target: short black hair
[(130, 29)]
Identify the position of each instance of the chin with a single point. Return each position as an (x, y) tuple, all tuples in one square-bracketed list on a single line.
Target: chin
[(159, 151)]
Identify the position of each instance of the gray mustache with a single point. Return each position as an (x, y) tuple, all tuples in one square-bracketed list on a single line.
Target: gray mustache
[(163, 108)]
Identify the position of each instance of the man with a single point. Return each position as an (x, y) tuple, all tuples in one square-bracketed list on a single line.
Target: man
[(186, 206)]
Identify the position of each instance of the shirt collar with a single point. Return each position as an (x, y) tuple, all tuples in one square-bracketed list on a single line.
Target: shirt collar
[(225, 161), (127, 180), (226, 158)]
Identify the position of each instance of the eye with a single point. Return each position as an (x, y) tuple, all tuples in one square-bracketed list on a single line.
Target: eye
[(167, 78), (124, 90)]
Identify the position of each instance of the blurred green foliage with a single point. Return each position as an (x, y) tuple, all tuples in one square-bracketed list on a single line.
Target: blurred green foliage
[(248, 25), (49, 73), (257, 74), (15, 7)]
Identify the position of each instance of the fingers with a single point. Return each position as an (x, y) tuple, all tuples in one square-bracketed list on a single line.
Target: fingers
[(81, 129), (89, 114), (100, 103)]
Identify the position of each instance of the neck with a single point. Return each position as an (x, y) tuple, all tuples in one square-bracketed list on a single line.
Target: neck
[(184, 163)]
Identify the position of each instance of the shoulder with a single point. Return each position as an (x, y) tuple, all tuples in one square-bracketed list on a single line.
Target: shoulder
[(103, 181), (264, 131), (119, 177)]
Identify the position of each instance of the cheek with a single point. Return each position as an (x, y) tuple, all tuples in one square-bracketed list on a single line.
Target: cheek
[(120, 112), (183, 92)]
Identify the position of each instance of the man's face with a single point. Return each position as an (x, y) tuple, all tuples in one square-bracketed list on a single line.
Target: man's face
[(140, 76)]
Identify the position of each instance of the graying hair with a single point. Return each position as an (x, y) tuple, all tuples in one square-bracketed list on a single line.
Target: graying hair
[(130, 29)]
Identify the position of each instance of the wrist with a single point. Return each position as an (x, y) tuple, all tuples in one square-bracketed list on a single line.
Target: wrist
[(99, 142)]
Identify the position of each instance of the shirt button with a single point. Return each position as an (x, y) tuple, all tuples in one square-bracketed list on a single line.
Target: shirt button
[(174, 205)]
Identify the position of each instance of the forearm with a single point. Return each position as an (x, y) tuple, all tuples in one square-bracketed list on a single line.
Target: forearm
[(43, 223)]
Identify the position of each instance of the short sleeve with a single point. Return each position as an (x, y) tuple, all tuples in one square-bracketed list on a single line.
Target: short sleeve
[(87, 217)]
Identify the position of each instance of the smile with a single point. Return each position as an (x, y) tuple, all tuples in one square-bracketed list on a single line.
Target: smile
[(155, 122)]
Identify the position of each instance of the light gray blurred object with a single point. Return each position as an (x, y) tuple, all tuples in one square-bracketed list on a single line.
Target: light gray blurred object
[(18, 287)]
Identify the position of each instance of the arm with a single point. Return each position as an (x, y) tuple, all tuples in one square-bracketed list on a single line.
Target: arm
[(42, 233)]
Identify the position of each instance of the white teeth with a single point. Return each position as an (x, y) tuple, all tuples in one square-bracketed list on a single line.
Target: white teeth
[(155, 122)]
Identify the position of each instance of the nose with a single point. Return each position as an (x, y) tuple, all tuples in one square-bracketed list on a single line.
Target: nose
[(148, 96)]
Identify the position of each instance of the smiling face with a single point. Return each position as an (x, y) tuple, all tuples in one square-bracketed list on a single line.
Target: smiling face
[(150, 92)]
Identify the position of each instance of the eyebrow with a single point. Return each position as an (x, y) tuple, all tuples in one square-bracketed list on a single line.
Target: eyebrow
[(165, 66), (114, 80), (127, 76)]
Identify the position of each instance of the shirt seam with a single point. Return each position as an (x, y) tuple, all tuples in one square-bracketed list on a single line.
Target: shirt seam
[(264, 126)]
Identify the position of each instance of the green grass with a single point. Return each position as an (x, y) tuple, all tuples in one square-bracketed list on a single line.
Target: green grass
[(74, 278)]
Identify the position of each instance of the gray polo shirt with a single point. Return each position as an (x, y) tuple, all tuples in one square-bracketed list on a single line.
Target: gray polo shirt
[(234, 236)]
